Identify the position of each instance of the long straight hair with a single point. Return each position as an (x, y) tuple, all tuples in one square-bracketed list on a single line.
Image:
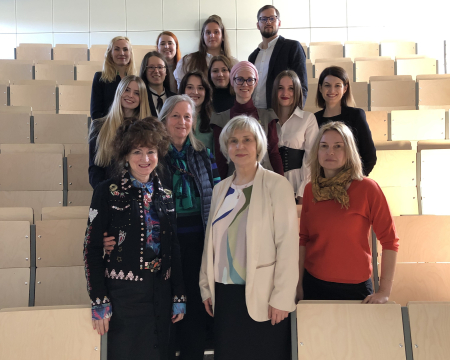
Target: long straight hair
[(205, 108), (197, 60), (298, 94), (167, 109), (115, 118), (109, 71), (143, 70), (226, 61), (177, 56)]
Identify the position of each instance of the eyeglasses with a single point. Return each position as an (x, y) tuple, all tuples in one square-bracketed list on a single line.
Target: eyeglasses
[(153, 68), (240, 81), (265, 19)]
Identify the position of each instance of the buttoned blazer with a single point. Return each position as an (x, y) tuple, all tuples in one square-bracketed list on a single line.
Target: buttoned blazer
[(272, 245), (287, 55)]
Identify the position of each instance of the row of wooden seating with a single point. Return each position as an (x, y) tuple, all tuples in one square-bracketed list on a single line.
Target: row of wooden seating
[(362, 68), (73, 52), (397, 92), (315, 50), (325, 330), (348, 330)]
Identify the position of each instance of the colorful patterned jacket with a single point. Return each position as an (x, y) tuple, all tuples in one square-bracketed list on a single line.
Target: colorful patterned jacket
[(117, 208)]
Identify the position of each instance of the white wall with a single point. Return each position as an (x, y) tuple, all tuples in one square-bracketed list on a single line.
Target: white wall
[(97, 21)]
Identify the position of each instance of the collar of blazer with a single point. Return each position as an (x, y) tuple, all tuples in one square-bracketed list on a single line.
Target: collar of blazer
[(276, 51), (259, 206)]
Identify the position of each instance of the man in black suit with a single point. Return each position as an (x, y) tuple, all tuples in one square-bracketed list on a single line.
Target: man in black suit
[(274, 55)]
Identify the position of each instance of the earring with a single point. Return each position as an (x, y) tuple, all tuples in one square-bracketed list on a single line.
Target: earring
[(126, 164)]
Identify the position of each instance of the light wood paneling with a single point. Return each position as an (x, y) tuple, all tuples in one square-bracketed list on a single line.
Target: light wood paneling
[(345, 63), (430, 326), (360, 93), (14, 128), (336, 331), (65, 213), (70, 52), (397, 48), (57, 70), (97, 52), (402, 200), (34, 52), (16, 214), (16, 169), (16, 70), (76, 149), (87, 69), (15, 285), (75, 97), (395, 168), (354, 49), (378, 66), (51, 334), (61, 286), (77, 172), (418, 124), (32, 148), (325, 50), (416, 67), (434, 91), (59, 242), (389, 95), (39, 94), (60, 129), (14, 244), (378, 124), (79, 198)]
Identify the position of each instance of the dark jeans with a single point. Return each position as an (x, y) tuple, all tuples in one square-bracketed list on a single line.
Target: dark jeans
[(316, 289)]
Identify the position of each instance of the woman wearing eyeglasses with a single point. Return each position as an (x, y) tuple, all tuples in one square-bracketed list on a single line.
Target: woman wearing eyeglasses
[(244, 78), (154, 73)]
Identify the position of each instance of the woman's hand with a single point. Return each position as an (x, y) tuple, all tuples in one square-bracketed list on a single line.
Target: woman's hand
[(108, 243), (377, 298), (177, 317), (102, 326), (208, 307), (276, 316)]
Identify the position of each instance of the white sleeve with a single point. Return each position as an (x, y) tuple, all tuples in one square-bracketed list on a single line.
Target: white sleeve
[(178, 74), (311, 131)]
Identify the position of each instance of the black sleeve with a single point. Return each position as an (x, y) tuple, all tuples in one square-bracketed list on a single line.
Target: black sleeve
[(97, 99), (97, 174), (177, 282), (297, 63), (364, 140), (93, 246)]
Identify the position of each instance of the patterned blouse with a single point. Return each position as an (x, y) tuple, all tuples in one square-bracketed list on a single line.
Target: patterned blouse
[(229, 236)]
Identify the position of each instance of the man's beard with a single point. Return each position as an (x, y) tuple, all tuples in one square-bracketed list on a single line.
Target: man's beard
[(269, 33)]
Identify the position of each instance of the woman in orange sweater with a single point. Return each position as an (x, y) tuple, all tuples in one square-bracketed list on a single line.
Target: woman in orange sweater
[(339, 207)]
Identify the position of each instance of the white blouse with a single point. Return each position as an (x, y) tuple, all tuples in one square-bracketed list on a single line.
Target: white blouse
[(298, 132), (179, 72)]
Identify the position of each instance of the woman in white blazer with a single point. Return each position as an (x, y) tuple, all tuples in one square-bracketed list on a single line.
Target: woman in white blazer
[(248, 276)]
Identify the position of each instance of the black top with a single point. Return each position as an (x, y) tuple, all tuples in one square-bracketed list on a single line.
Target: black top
[(287, 55), (97, 174), (116, 208), (152, 105), (355, 119), (222, 99), (102, 95)]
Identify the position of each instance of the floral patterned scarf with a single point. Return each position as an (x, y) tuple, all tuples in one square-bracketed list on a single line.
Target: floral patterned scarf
[(333, 188)]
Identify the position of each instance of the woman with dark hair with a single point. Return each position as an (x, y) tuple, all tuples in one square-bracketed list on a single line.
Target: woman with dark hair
[(119, 62), (197, 88), (296, 130), (334, 96), (213, 41), (168, 47), (219, 79), (137, 288), (154, 73)]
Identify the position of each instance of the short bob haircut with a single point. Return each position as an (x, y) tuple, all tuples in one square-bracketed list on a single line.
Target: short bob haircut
[(244, 122), (177, 56), (167, 109), (226, 61), (143, 70), (298, 93), (353, 160), (205, 108), (336, 71), (148, 132)]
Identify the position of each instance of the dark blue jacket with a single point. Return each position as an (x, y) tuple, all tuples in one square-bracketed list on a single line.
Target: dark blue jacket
[(287, 55), (102, 95)]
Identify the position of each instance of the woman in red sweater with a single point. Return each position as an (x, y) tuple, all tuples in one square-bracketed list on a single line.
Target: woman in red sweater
[(339, 207)]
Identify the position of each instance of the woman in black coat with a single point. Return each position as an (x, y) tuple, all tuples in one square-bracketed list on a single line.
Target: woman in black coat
[(137, 288), (119, 62), (153, 71), (334, 96)]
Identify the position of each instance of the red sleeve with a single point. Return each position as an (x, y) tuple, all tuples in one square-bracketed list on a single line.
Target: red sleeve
[(221, 161), (272, 145), (381, 218), (307, 198)]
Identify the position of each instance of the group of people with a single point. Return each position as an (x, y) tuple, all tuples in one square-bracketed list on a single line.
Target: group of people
[(197, 165)]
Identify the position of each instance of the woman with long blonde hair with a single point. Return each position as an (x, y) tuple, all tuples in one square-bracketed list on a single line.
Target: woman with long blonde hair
[(130, 102), (213, 42), (119, 62), (340, 205)]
